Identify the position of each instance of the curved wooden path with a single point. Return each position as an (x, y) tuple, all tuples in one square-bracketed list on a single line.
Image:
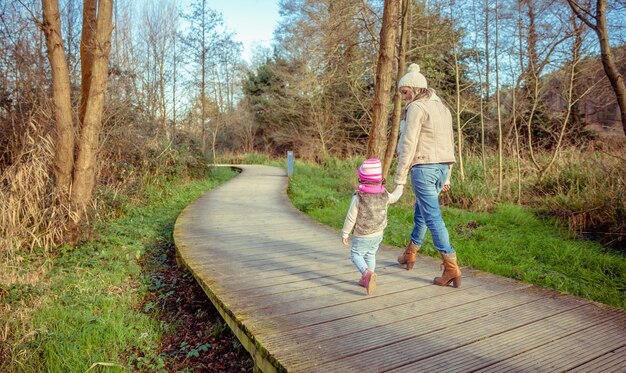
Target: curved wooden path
[(287, 288)]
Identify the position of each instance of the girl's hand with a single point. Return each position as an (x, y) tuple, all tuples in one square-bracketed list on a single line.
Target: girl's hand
[(446, 187)]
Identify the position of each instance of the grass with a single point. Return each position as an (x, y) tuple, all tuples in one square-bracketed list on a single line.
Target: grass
[(84, 308), (507, 240)]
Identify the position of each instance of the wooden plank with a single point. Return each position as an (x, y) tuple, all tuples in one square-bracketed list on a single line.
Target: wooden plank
[(612, 361), (400, 343), (567, 353), (508, 343)]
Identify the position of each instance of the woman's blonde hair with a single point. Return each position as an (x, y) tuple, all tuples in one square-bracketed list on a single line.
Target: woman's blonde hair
[(421, 93)]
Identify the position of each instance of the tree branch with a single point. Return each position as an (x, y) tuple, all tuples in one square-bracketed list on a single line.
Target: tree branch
[(579, 10)]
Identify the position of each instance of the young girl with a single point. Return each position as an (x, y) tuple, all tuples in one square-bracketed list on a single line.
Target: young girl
[(367, 215)]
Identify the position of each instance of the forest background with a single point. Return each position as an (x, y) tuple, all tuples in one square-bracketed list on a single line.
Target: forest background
[(537, 120), (101, 101)]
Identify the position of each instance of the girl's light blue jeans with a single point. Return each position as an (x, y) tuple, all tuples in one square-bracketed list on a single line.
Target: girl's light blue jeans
[(428, 180), (363, 252)]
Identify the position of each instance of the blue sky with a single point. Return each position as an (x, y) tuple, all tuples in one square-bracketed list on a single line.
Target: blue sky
[(252, 20)]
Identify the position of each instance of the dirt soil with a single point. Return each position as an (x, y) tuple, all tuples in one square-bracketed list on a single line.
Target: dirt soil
[(199, 340)]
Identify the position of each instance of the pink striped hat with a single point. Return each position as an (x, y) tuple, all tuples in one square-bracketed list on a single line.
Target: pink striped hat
[(371, 170)]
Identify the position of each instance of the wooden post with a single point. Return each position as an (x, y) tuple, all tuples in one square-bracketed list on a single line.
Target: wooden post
[(289, 163)]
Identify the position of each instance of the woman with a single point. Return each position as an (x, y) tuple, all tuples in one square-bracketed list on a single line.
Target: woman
[(426, 151)]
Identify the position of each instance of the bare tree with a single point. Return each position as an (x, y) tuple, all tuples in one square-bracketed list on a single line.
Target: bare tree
[(517, 145), (174, 75), (397, 97), (199, 42), (95, 47), (499, 109), (378, 132), (570, 100), (595, 19), (64, 147), (479, 73), (159, 30), (487, 45)]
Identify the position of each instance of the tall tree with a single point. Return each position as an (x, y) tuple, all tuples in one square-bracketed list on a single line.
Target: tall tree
[(388, 33), (570, 101), (159, 30), (95, 47), (499, 110), (98, 46), (596, 20), (397, 98), (201, 41), (325, 57), (64, 142)]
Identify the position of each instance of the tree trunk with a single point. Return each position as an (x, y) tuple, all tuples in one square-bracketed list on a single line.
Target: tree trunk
[(378, 132), (397, 98), (517, 149), (64, 147), (203, 81), (459, 128), (482, 119), (487, 69), (162, 105), (499, 111), (578, 41), (173, 130), (532, 72), (608, 61), (85, 167), (87, 49)]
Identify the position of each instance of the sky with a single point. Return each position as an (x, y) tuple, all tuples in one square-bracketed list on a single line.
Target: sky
[(253, 21)]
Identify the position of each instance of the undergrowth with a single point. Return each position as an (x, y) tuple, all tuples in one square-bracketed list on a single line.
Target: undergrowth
[(585, 191)]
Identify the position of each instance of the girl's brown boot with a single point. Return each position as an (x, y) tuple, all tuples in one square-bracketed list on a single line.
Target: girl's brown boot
[(451, 272), (409, 256)]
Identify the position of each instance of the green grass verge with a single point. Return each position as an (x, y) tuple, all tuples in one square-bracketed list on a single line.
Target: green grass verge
[(87, 309), (510, 240)]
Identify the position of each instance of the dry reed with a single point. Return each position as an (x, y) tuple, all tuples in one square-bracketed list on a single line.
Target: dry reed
[(29, 217)]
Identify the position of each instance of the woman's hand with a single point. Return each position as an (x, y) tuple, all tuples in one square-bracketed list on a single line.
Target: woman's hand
[(446, 187), (345, 241)]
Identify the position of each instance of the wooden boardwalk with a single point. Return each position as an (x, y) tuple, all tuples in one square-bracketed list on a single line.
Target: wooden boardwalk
[(287, 288)]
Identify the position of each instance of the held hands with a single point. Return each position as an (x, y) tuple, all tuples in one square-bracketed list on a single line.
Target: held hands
[(399, 189), (397, 193)]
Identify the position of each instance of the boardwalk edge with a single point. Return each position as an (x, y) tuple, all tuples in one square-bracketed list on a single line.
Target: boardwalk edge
[(263, 361)]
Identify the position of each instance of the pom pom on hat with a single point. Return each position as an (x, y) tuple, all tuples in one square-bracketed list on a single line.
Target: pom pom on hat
[(413, 78), (371, 170), (413, 68)]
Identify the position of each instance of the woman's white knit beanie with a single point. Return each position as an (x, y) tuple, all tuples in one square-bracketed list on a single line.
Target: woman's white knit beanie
[(413, 78)]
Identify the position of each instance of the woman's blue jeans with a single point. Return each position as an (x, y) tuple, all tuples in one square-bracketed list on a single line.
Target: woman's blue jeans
[(363, 252), (428, 180)]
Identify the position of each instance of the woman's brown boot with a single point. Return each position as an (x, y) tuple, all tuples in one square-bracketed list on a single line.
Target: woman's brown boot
[(410, 255), (451, 272)]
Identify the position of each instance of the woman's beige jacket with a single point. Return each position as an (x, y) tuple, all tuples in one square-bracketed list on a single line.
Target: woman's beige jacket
[(425, 136)]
